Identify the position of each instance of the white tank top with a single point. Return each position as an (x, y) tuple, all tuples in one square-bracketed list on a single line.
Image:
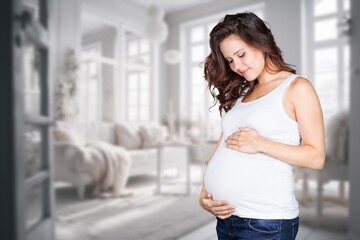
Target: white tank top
[(258, 185)]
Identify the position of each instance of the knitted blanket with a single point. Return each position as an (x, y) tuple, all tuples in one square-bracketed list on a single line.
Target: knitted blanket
[(108, 165)]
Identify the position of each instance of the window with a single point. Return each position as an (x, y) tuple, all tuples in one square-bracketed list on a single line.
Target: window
[(198, 51), (328, 51), (90, 84), (196, 95), (138, 79)]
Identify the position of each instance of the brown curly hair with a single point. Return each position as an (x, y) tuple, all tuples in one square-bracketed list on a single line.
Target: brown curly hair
[(225, 85)]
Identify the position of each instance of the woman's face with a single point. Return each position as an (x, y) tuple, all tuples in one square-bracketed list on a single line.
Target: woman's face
[(243, 59)]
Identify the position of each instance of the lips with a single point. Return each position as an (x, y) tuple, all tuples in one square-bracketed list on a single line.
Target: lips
[(244, 72)]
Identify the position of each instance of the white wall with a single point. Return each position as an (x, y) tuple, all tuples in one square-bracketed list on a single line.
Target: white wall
[(67, 22), (107, 39), (284, 18), (354, 211)]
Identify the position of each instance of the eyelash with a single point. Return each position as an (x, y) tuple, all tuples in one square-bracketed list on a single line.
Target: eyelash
[(242, 55), (239, 56)]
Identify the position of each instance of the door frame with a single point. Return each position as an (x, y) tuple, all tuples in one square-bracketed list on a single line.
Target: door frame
[(13, 185), (9, 183)]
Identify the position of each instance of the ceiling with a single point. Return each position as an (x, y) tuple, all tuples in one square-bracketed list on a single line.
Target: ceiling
[(92, 23), (169, 6)]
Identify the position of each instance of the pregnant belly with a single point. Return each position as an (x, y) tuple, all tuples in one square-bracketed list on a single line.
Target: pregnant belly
[(257, 185), (235, 176), (226, 176)]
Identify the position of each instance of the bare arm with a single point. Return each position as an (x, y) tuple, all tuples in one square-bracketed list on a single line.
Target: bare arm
[(305, 107)]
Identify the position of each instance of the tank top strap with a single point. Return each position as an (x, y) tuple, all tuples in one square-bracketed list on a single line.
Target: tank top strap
[(285, 85)]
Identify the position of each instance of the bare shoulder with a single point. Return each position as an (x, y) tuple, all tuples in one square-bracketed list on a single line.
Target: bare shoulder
[(300, 87), (301, 82), (301, 99), (302, 92)]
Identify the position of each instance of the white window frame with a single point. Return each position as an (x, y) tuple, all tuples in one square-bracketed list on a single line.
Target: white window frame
[(97, 46), (310, 46), (137, 69)]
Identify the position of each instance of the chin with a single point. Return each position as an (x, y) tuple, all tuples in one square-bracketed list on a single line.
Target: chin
[(250, 79)]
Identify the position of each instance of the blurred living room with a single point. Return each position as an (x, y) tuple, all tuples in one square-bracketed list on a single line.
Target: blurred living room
[(115, 123)]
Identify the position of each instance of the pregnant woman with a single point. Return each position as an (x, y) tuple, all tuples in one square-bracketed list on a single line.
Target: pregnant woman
[(271, 121)]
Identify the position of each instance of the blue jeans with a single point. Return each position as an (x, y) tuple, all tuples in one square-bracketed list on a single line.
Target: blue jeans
[(239, 228)]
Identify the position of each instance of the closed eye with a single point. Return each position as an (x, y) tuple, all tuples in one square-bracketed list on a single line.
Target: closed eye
[(229, 60), (241, 55)]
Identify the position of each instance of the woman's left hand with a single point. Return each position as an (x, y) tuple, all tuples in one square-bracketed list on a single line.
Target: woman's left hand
[(246, 140)]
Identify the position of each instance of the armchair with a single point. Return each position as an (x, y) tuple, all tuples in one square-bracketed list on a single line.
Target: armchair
[(336, 165)]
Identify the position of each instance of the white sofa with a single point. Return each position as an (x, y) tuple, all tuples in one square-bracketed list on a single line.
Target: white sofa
[(140, 140)]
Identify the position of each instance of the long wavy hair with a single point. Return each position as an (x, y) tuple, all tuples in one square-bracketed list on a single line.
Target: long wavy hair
[(225, 85)]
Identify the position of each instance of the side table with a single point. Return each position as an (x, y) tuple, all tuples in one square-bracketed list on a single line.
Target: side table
[(180, 156)]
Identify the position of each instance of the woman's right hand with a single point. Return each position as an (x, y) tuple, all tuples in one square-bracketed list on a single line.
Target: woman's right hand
[(219, 208)]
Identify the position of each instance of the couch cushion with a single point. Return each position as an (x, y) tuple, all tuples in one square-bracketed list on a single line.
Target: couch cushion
[(67, 135), (89, 131), (106, 132), (127, 135), (72, 126)]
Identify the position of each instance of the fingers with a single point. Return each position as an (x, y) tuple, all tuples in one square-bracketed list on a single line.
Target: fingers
[(233, 142), (235, 147), (233, 138), (222, 212), (237, 135), (217, 203), (220, 208), (224, 216)]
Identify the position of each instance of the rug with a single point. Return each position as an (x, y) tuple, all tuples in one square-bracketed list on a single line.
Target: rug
[(145, 216), (150, 216)]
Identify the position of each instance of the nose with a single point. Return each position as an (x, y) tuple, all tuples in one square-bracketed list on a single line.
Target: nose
[(238, 64)]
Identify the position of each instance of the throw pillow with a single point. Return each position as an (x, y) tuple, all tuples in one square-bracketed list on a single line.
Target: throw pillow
[(152, 135), (127, 136)]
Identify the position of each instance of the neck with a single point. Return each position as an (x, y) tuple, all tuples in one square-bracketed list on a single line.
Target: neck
[(266, 77)]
